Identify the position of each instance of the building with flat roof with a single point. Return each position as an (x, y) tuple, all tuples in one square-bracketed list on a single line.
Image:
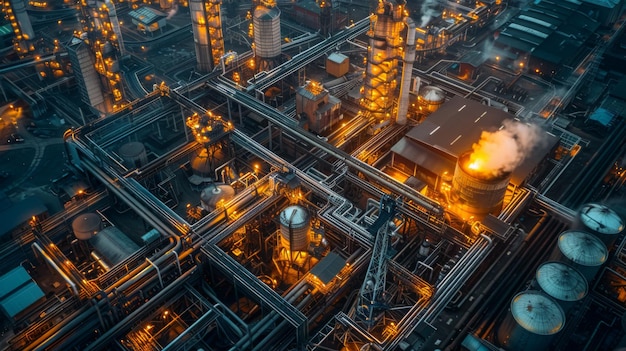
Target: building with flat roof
[(430, 150), (547, 38)]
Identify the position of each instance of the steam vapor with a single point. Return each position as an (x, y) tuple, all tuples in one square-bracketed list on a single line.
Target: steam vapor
[(172, 12), (428, 11), (502, 151)]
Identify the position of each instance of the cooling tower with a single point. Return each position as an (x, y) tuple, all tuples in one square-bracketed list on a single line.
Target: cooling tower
[(531, 323), (477, 194), (294, 228)]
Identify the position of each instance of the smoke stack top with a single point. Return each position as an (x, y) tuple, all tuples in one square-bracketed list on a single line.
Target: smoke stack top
[(500, 152)]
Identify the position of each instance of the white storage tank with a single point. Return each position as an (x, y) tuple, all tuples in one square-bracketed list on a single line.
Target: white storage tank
[(601, 221), (431, 98), (562, 282), (294, 228), (582, 250), (133, 154), (86, 225), (214, 193), (531, 323)]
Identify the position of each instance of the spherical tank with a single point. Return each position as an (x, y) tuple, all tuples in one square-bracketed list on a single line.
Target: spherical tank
[(201, 163), (133, 154), (431, 98), (294, 228), (213, 194), (86, 225), (533, 319), (477, 194), (267, 37), (582, 250), (601, 221), (562, 282)]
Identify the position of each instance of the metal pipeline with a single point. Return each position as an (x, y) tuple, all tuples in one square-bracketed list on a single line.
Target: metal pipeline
[(270, 319), (141, 210), (105, 338), (57, 268)]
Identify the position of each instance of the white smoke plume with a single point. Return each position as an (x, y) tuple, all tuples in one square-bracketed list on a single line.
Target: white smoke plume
[(503, 150), (172, 12), (428, 11)]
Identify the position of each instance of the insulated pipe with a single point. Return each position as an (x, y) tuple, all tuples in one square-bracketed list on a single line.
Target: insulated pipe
[(270, 318), (56, 268), (407, 69), (105, 338), (141, 210)]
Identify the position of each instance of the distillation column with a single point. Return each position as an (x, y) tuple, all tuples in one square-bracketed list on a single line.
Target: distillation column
[(207, 33), (100, 32), (15, 11), (385, 48)]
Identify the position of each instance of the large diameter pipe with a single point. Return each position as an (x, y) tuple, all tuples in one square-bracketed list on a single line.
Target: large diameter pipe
[(407, 69), (57, 268), (105, 338)]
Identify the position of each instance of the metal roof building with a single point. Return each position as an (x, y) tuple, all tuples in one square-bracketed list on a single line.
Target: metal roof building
[(547, 36), (437, 142), (18, 291)]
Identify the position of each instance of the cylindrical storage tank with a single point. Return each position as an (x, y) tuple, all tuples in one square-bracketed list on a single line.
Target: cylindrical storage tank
[(424, 249), (267, 37), (531, 323), (133, 154), (294, 228), (602, 222), (582, 250), (562, 282), (431, 98), (477, 194), (86, 225), (213, 194)]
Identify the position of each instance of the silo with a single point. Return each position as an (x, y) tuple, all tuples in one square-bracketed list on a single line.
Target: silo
[(531, 323), (133, 154), (86, 225), (267, 39), (477, 194), (213, 194), (294, 228), (431, 98), (582, 250), (601, 221), (562, 282)]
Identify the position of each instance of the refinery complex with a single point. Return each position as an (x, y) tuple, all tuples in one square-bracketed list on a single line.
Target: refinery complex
[(306, 175)]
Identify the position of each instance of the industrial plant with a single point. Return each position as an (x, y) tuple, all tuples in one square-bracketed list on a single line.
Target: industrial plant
[(312, 175)]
